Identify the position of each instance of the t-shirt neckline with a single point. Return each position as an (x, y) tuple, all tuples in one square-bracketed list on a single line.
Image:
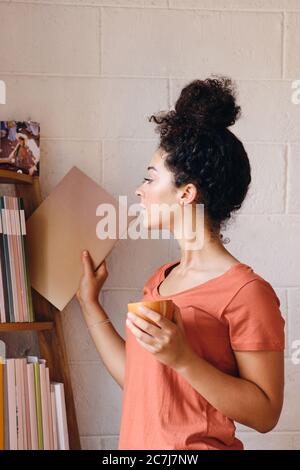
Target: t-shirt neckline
[(199, 286)]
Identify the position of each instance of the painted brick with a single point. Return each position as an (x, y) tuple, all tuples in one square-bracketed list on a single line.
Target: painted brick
[(180, 43)]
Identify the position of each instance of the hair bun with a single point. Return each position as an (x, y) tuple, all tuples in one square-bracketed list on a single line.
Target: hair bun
[(208, 103)]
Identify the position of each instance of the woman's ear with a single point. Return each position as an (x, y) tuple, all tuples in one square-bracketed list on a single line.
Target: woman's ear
[(189, 194)]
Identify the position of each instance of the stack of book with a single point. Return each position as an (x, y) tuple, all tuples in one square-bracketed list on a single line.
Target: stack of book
[(32, 409), (15, 290)]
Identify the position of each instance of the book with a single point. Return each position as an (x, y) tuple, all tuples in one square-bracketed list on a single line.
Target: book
[(20, 399), (62, 226), (7, 275), (15, 290), (38, 400), (24, 254), (2, 394), (44, 402), (1, 403), (61, 415), (2, 277), (54, 424), (49, 406), (11, 425), (32, 408)]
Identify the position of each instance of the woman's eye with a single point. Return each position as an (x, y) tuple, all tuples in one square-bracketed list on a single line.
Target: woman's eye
[(147, 179)]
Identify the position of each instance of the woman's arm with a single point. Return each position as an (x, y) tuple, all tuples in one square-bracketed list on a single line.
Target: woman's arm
[(9, 158), (109, 344), (13, 152), (254, 399)]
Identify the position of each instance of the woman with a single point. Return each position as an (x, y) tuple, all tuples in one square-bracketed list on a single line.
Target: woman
[(222, 358), (22, 155)]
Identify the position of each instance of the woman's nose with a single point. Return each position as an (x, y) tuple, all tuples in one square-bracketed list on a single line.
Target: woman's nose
[(138, 192)]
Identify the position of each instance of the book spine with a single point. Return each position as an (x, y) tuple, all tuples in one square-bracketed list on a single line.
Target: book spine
[(1, 405), (37, 385), (2, 303), (26, 404), (61, 416), (3, 273), (54, 423), (10, 315), (44, 402), (50, 417), (32, 407), (12, 260), (22, 275), (25, 260), (11, 405), (19, 407), (14, 256)]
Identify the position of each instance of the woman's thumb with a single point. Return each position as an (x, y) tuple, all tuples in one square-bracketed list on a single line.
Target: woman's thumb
[(87, 265)]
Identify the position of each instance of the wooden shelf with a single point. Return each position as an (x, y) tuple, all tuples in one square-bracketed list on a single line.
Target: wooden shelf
[(25, 326), (7, 176), (48, 327)]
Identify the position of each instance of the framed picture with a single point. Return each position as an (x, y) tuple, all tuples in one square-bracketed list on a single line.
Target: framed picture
[(20, 146)]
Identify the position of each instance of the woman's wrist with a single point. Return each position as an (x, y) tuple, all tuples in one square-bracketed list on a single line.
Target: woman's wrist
[(98, 323), (88, 305), (93, 312), (91, 304)]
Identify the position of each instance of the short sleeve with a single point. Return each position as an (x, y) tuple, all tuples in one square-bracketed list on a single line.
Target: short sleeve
[(254, 318)]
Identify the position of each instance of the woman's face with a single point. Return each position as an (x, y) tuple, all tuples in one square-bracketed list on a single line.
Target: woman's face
[(21, 141), (158, 193)]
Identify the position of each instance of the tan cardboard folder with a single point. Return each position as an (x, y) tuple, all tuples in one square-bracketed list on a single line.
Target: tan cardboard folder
[(60, 228)]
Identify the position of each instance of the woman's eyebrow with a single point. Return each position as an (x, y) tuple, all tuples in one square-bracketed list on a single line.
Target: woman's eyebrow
[(151, 168)]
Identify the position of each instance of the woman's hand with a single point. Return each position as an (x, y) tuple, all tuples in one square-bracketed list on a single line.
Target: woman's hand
[(91, 281), (167, 341)]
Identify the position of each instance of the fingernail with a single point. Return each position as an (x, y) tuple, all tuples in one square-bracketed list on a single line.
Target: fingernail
[(85, 253)]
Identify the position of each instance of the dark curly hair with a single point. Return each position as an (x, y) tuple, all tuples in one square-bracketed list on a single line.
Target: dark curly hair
[(203, 151)]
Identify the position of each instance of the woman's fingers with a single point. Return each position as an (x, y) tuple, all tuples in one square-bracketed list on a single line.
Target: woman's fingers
[(88, 268), (101, 272), (177, 318)]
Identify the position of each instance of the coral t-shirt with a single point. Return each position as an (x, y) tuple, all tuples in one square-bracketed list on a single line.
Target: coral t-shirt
[(236, 311)]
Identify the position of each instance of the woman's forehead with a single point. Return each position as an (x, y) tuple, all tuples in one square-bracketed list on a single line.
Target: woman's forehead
[(157, 160)]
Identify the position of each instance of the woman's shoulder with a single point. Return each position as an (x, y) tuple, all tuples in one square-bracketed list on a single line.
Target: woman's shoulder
[(246, 286), (254, 317), (254, 297)]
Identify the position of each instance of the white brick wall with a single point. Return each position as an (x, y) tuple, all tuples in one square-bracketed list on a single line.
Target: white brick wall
[(91, 71)]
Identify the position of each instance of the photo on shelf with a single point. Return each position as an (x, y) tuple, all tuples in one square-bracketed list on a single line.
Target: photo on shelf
[(20, 146)]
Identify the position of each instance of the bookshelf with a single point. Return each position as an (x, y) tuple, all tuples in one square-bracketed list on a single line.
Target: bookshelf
[(34, 326), (48, 324)]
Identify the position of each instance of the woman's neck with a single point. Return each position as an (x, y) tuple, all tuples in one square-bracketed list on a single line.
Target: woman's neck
[(212, 256)]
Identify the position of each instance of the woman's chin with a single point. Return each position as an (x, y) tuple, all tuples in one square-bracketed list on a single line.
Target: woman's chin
[(155, 225)]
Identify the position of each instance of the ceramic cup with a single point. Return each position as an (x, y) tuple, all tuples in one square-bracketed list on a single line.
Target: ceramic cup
[(164, 307)]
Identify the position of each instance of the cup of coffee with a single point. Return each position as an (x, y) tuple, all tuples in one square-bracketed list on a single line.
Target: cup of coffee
[(163, 307)]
